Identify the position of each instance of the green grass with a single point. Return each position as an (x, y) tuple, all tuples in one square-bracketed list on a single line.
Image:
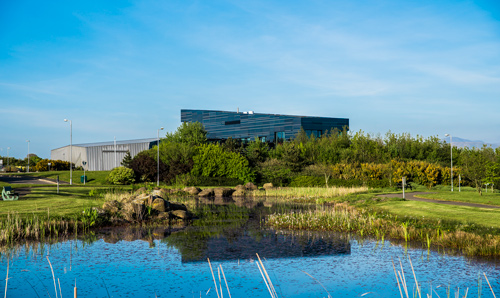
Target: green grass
[(93, 177), (43, 200), (466, 196), (467, 215)]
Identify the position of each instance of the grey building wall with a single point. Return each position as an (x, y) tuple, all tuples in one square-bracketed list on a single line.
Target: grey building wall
[(102, 156)]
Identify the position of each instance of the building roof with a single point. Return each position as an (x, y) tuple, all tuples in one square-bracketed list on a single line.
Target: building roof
[(149, 140)]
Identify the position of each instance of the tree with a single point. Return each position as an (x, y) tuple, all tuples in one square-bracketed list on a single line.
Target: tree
[(474, 165), (191, 133), (127, 159)]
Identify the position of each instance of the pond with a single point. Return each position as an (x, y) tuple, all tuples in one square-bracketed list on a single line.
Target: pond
[(172, 262)]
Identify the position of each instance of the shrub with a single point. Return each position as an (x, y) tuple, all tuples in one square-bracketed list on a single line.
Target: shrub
[(274, 171), (55, 165), (308, 181), (145, 167), (121, 175), (212, 161)]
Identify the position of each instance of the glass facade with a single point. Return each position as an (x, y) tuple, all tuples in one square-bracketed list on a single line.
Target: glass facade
[(268, 127)]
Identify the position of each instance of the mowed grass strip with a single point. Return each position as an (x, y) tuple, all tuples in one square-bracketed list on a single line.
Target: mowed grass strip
[(480, 216), (465, 196), (43, 201), (93, 177)]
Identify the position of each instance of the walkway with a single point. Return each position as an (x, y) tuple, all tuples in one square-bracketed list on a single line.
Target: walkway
[(410, 196)]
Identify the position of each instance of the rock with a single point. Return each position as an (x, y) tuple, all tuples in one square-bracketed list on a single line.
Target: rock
[(182, 214), (207, 192), (240, 187), (223, 192), (159, 205), (251, 186), (239, 193), (161, 193), (141, 190), (112, 206), (143, 199), (192, 190), (134, 211), (163, 215), (268, 186), (176, 206)]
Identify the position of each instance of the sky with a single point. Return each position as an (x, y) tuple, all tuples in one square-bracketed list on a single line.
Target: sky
[(126, 68)]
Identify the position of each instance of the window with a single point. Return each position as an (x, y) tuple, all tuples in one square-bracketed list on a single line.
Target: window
[(232, 122), (279, 136)]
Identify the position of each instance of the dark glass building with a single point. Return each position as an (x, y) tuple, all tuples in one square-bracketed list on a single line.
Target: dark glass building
[(267, 127)]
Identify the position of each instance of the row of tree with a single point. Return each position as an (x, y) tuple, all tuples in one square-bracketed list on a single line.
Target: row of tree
[(186, 155)]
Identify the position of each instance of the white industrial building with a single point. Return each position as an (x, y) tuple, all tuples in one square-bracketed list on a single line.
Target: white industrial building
[(101, 156)]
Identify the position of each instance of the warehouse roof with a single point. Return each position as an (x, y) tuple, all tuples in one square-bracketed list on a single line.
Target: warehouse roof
[(149, 140)]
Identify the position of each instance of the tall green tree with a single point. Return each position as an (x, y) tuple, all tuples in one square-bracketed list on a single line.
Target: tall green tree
[(191, 133)]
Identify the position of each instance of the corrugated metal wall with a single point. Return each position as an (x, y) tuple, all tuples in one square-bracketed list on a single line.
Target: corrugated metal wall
[(79, 154), (99, 158)]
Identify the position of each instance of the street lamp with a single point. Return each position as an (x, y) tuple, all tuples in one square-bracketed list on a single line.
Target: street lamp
[(158, 157), (28, 155), (8, 148), (70, 151), (451, 158)]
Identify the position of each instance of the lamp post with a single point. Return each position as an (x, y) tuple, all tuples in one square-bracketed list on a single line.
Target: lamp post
[(158, 158), (28, 155), (451, 158), (8, 148), (70, 150)]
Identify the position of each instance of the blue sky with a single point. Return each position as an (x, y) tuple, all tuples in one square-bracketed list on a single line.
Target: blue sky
[(124, 69)]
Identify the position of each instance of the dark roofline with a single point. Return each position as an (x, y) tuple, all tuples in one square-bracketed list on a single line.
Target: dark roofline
[(253, 113)]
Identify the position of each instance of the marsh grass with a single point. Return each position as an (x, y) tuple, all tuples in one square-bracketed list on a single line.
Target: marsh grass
[(309, 193), (342, 217)]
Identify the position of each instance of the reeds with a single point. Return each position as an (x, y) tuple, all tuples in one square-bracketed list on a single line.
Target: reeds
[(342, 217), (307, 193)]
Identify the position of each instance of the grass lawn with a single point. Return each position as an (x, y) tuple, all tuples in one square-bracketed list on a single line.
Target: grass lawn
[(480, 216), (465, 196), (69, 202), (93, 177)]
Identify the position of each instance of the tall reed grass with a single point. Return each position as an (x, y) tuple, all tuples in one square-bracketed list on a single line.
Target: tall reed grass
[(342, 217), (309, 193)]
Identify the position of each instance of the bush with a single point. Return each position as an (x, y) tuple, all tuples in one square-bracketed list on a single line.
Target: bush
[(190, 180), (55, 165), (145, 167), (121, 175), (308, 181), (212, 161), (274, 171)]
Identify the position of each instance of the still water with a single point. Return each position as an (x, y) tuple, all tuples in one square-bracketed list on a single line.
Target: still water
[(165, 262)]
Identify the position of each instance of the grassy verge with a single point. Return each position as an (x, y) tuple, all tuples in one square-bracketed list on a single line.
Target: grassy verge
[(93, 177), (43, 201), (465, 196), (468, 216)]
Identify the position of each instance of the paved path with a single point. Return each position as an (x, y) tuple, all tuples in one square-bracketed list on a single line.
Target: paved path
[(410, 196), (28, 180)]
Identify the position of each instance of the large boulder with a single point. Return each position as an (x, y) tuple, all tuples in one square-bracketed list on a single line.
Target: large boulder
[(223, 192), (112, 206), (207, 192), (192, 190), (182, 214), (159, 205), (268, 186), (141, 190), (239, 193), (161, 193), (240, 187), (133, 211), (251, 186)]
